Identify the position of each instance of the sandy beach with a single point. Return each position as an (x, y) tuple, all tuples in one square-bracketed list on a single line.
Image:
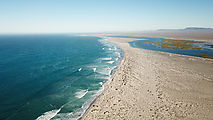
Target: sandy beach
[(156, 85)]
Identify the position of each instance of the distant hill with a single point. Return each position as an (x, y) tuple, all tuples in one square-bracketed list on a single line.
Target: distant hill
[(187, 29), (197, 28)]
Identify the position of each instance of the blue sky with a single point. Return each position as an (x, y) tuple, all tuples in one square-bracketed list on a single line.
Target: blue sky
[(59, 16)]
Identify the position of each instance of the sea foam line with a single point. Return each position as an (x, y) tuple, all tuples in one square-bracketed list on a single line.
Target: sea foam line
[(110, 58), (81, 93), (111, 62), (86, 105), (78, 114), (48, 115)]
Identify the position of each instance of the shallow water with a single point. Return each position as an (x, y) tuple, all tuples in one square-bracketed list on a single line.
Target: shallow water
[(52, 76), (184, 47)]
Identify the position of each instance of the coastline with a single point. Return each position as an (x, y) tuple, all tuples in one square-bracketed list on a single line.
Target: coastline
[(173, 88), (105, 85)]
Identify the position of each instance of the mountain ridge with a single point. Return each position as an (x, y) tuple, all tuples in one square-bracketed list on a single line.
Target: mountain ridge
[(187, 29)]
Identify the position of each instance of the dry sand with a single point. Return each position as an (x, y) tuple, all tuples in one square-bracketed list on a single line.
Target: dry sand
[(191, 35), (156, 85)]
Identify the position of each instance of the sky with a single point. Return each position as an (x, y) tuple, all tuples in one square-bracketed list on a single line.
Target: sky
[(71, 16)]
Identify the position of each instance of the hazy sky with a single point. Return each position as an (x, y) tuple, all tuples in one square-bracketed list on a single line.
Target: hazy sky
[(58, 16)]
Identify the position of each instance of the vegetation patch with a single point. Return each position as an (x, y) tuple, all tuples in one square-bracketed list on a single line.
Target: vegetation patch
[(175, 44)]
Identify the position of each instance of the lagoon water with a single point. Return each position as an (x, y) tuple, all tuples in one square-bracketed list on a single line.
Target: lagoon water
[(183, 47), (52, 76)]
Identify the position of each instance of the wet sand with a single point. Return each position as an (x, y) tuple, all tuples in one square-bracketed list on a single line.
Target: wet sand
[(156, 85)]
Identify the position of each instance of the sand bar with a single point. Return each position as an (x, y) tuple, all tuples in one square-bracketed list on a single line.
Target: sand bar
[(156, 85)]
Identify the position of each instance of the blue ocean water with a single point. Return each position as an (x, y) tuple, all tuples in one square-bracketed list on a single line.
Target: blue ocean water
[(52, 76), (205, 48)]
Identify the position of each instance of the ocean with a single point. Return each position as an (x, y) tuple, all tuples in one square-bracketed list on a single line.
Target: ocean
[(53, 76)]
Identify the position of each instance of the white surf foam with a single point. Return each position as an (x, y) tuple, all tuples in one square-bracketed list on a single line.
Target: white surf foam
[(111, 62), (115, 48), (100, 83), (106, 43), (118, 54), (48, 115), (81, 93), (86, 105), (105, 71), (110, 58), (79, 69), (94, 69), (116, 59)]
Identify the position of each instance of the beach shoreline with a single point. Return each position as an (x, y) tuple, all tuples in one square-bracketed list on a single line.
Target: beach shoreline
[(171, 83)]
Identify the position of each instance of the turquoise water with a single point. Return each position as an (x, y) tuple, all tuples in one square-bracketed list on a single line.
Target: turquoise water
[(52, 76), (186, 47)]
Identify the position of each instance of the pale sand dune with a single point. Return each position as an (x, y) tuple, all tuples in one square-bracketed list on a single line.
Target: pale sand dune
[(156, 85), (192, 35)]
